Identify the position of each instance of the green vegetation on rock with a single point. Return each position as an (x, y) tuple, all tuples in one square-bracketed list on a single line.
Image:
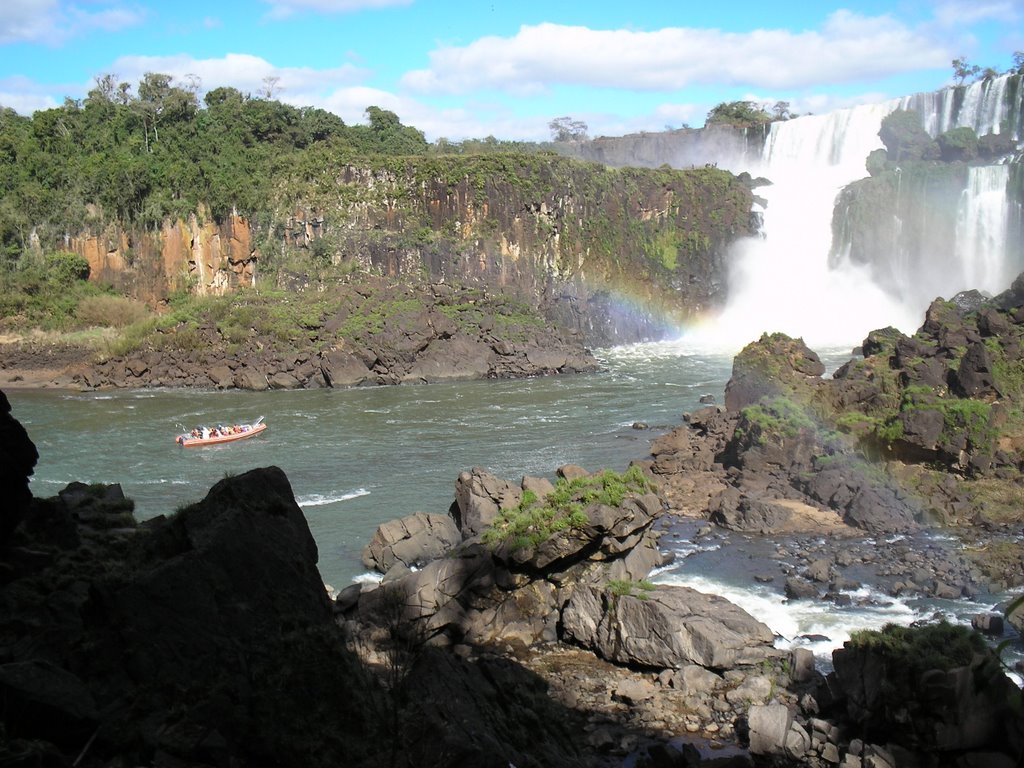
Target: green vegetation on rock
[(535, 520), (911, 651)]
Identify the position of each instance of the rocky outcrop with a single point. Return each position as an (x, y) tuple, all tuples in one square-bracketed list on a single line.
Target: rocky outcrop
[(18, 458), (931, 695), (581, 584), (220, 605), (207, 638)]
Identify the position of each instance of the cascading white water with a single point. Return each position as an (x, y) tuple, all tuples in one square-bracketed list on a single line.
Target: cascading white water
[(984, 108), (981, 229), (782, 281)]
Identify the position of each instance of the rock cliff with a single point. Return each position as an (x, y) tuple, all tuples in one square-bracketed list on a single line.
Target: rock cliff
[(618, 255)]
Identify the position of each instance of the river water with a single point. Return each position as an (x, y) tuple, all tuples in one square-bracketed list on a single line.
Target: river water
[(359, 457)]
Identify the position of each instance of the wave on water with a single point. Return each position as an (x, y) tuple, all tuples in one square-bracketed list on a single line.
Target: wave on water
[(320, 499), (819, 626)]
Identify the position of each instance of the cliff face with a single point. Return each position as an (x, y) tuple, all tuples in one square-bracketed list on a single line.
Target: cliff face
[(210, 257), (620, 255)]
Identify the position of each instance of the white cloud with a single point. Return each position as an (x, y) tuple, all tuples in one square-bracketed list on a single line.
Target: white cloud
[(849, 47), (280, 9), (25, 96), (957, 13), (27, 20), (53, 22), (244, 72)]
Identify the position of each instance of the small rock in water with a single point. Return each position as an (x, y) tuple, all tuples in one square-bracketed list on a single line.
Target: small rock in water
[(640, 425), (988, 623), (707, 399)]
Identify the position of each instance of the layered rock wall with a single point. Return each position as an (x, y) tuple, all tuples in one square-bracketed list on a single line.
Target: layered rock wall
[(620, 255), (204, 256)]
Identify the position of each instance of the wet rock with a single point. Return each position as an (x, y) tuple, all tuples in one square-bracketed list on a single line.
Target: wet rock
[(800, 589), (988, 623)]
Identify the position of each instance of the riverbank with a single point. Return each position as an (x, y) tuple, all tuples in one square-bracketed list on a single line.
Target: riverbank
[(345, 336)]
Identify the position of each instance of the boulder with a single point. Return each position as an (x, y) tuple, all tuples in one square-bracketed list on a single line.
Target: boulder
[(251, 379), (944, 709), (546, 360), (479, 497), (283, 380), (221, 376), (454, 359), (736, 511), (413, 541), (341, 368), (974, 378), (609, 533), (432, 600), (775, 732), (667, 627), (538, 486)]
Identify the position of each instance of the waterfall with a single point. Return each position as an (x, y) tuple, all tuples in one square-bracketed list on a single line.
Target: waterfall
[(981, 229), (983, 107), (784, 281)]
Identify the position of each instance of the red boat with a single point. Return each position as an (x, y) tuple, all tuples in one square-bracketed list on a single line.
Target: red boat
[(204, 436)]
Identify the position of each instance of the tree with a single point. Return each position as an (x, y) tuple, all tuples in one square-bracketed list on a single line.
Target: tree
[(105, 90), (962, 70), (741, 114), (567, 129), (270, 87), (780, 110), (158, 99), (1018, 63)]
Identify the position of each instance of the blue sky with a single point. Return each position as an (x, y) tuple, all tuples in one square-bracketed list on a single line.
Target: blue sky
[(458, 69)]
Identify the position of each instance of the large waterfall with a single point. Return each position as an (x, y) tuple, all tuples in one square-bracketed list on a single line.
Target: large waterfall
[(785, 280)]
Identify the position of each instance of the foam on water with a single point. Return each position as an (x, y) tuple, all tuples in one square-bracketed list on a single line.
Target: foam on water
[(792, 620), (320, 499)]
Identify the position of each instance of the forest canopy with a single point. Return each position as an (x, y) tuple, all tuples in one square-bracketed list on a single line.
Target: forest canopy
[(140, 156)]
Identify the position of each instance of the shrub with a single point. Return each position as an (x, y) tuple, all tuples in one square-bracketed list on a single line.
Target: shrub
[(66, 268), (908, 652), (774, 419), (535, 520), (110, 311)]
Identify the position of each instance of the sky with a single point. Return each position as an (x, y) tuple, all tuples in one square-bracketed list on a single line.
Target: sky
[(460, 69)]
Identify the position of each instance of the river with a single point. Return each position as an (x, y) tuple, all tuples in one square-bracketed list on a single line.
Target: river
[(359, 457)]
